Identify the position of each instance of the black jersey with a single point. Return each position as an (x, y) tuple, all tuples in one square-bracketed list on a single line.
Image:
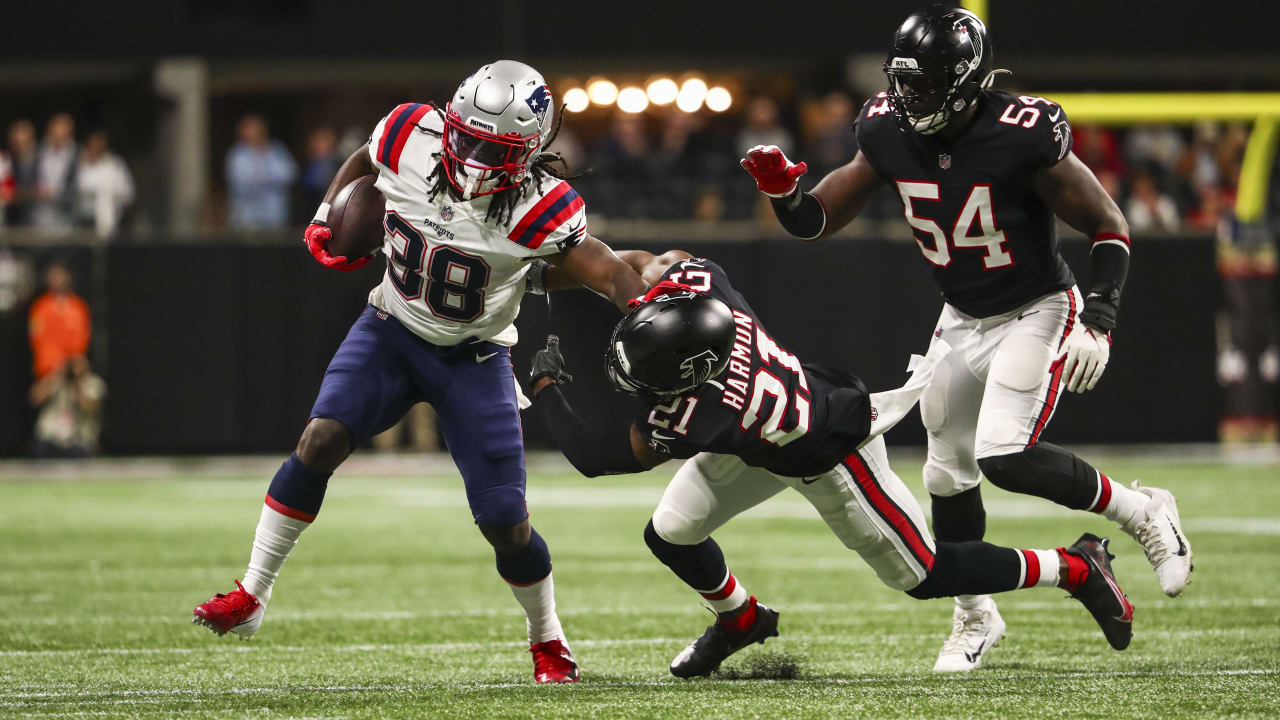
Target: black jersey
[(766, 407), (971, 203)]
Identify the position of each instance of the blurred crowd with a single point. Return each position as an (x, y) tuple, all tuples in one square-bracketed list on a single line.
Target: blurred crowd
[(684, 166), (665, 165), (55, 184), (1165, 178)]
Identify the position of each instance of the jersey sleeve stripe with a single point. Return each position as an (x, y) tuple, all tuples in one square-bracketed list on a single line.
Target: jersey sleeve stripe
[(545, 217), (529, 217), (405, 118)]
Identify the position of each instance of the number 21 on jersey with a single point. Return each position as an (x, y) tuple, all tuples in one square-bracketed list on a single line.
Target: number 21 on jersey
[(976, 207)]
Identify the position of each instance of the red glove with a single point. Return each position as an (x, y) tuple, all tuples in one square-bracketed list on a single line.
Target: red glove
[(666, 287), (775, 175), (317, 237)]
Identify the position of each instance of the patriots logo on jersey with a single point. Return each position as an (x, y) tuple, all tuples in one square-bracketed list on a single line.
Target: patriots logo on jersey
[(697, 369), (538, 101)]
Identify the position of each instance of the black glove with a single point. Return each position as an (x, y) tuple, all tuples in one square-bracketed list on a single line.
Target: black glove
[(548, 362), (1100, 310)]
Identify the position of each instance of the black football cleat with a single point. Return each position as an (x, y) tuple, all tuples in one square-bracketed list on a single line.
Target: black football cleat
[(1100, 592), (705, 654)]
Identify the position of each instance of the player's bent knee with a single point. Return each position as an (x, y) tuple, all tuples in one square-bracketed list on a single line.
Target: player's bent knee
[(509, 539), (946, 482), (677, 529), (1005, 471), (502, 506), (324, 445)]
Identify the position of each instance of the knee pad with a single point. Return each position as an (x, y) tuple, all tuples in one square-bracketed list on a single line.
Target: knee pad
[(670, 525), (948, 481), (500, 506)]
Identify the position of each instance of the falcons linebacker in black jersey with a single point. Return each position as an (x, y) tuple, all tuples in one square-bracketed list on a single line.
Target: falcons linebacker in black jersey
[(981, 174), (752, 420)]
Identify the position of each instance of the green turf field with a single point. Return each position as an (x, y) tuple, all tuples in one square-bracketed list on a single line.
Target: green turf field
[(390, 608)]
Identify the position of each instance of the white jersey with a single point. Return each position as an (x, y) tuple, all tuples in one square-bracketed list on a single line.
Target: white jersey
[(452, 276)]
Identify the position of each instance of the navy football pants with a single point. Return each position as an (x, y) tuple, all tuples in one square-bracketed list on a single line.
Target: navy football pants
[(382, 369)]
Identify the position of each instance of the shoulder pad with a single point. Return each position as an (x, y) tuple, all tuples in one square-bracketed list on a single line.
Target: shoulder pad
[(391, 134), (546, 215)]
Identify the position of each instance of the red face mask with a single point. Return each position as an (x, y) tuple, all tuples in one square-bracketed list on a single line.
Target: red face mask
[(479, 162)]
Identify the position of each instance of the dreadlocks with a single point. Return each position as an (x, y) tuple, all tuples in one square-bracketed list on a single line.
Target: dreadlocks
[(545, 164)]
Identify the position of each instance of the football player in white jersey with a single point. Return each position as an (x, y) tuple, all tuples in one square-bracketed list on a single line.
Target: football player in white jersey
[(473, 197)]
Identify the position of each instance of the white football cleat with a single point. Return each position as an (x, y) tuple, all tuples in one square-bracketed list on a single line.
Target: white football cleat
[(1162, 539), (973, 633)]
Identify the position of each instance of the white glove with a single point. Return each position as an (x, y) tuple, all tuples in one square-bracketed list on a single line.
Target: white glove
[(1086, 358)]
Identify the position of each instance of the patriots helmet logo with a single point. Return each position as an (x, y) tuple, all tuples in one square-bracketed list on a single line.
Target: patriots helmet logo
[(538, 101)]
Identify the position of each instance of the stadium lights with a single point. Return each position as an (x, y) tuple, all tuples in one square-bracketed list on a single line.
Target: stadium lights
[(576, 99), (602, 92), (632, 100), (662, 91), (718, 99), (692, 92)]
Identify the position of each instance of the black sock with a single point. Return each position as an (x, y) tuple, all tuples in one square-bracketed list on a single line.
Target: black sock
[(960, 517), (1046, 471), (970, 568), (700, 566), (528, 566)]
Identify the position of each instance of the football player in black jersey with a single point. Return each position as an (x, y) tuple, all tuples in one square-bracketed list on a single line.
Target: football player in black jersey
[(752, 420), (981, 174)]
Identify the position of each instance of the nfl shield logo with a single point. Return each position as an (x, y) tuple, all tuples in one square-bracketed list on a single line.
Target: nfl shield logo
[(446, 213), (944, 161)]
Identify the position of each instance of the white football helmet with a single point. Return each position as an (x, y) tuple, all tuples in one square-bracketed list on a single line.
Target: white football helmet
[(494, 126)]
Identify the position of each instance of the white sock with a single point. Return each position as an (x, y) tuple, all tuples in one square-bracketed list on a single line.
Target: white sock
[(539, 603), (274, 539), (729, 596), (1040, 568), (971, 602), (1119, 503)]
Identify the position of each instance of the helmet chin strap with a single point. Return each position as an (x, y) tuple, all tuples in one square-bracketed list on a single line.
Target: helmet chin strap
[(990, 79)]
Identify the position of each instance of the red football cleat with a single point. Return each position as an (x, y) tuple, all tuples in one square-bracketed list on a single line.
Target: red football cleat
[(238, 611), (554, 663)]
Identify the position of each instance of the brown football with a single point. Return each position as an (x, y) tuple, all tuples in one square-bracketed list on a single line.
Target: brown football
[(356, 219)]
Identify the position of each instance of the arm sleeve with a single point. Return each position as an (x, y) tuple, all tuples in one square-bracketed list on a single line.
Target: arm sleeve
[(591, 450), (800, 214)]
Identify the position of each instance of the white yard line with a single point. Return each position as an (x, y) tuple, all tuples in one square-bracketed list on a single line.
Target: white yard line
[(433, 648), (687, 609)]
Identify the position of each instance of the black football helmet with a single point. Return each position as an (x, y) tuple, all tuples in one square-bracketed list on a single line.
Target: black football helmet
[(671, 345), (940, 61)]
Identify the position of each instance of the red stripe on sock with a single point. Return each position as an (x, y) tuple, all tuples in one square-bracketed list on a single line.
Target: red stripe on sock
[(729, 586), (1104, 494), (1032, 575), (288, 511), (743, 620)]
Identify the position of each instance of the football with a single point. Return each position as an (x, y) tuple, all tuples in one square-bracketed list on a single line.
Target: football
[(356, 219)]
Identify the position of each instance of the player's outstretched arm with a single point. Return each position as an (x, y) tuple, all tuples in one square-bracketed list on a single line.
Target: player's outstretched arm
[(834, 203), (1070, 189), (593, 265), (845, 192), (318, 234), (615, 449)]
